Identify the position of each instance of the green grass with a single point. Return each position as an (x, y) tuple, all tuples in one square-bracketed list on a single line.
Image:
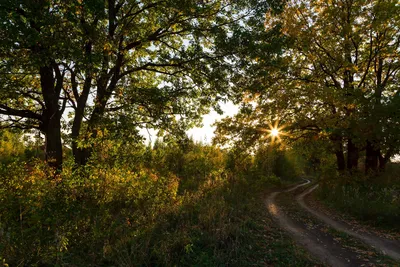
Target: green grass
[(373, 200)]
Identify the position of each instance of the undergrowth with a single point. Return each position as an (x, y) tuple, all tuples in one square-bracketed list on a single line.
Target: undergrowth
[(372, 199), (146, 214)]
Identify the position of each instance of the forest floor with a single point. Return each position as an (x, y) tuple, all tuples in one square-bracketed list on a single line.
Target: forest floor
[(326, 235)]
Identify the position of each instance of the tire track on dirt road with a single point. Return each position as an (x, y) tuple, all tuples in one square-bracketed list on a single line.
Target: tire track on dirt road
[(300, 235)]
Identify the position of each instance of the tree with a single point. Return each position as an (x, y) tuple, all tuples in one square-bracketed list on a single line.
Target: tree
[(162, 65), (158, 64), (337, 79), (34, 42), (153, 62)]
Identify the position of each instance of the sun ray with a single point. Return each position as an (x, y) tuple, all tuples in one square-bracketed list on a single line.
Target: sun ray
[(274, 132)]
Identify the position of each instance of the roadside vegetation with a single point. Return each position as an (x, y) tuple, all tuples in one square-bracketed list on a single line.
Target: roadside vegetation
[(374, 200), (166, 204)]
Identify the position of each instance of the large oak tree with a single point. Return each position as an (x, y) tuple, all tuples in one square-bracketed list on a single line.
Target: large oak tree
[(157, 64), (337, 79)]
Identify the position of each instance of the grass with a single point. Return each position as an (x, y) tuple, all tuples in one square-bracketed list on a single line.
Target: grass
[(123, 217), (347, 241), (373, 200)]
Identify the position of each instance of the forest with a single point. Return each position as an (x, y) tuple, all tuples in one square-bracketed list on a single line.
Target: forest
[(97, 166)]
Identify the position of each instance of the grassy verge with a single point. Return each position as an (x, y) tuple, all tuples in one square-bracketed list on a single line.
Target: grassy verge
[(364, 252), (373, 201)]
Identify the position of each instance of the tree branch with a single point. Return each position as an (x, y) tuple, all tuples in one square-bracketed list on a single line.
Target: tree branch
[(4, 109)]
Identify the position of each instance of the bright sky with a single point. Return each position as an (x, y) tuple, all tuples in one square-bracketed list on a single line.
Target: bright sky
[(205, 133)]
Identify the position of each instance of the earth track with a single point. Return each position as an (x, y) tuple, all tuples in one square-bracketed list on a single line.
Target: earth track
[(386, 246), (317, 239), (299, 234)]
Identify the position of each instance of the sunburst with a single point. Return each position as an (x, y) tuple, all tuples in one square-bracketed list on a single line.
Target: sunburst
[(275, 132)]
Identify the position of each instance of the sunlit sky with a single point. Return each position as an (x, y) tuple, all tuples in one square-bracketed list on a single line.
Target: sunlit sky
[(205, 133)]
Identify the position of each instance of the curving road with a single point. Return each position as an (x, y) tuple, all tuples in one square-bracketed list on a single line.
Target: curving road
[(317, 241), (386, 246)]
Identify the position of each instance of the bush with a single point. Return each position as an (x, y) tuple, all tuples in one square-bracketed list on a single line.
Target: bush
[(80, 216)]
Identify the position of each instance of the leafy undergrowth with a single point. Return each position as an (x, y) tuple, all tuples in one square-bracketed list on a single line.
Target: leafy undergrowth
[(121, 216), (373, 200)]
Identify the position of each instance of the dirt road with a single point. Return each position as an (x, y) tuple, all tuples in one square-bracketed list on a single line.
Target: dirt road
[(332, 242)]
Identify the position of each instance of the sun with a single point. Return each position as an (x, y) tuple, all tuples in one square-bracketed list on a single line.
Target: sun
[(275, 132)]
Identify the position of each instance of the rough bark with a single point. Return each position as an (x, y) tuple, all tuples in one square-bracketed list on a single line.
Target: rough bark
[(352, 155), (51, 124), (371, 158)]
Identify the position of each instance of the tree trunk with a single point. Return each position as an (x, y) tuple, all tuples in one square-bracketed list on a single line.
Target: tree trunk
[(106, 85), (80, 154), (51, 117), (340, 160), (371, 158), (352, 155), (53, 144), (81, 102), (341, 164), (104, 93), (384, 159), (382, 163), (76, 128)]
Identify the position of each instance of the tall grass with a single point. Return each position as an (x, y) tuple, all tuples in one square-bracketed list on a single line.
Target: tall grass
[(112, 217), (374, 199)]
